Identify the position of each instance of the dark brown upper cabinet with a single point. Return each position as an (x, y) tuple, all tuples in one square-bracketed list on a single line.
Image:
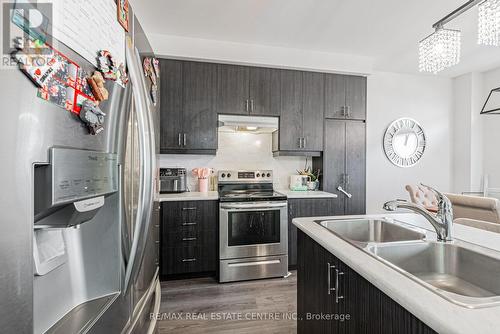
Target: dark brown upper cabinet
[(302, 113), (345, 97), (188, 109), (247, 90), (233, 90), (171, 104)]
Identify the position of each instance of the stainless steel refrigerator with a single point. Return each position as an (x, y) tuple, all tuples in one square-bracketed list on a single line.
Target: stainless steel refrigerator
[(77, 259)]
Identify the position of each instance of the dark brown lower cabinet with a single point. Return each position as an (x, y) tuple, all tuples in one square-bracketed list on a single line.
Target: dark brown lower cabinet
[(189, 237), (305, 207), (333, 298)]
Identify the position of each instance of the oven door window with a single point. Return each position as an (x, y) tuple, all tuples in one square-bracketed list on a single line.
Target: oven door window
[(253, 227)]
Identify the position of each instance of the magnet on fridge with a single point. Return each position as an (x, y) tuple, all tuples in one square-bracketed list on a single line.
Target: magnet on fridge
[(92, 116), (96, 82), (154, 93), (156, 66)]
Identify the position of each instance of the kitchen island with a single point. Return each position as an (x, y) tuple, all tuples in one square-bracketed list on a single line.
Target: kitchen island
[(376, 297)]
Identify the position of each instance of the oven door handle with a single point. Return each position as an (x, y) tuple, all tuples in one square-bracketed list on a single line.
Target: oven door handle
[(253, 206)]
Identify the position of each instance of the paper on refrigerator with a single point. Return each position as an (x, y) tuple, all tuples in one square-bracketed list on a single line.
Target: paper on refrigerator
[(88, 26)]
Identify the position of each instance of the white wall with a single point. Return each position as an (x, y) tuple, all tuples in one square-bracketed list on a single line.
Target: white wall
[(428, 100), (491, 131), (467, 128), (239, 151)]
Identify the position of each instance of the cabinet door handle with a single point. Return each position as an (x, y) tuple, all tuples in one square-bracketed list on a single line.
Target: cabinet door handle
[(180, 144), (185, 139), (189, 224), (246, 105), (304, 141), (329, 268), (337, 296), (342, 111), (189, 260), (189, 239), (251, 105), (192, 208), (339, 188), (348, 111)]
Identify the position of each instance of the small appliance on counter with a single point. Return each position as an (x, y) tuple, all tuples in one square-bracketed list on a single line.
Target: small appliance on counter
[(299, 182), (173, 180)]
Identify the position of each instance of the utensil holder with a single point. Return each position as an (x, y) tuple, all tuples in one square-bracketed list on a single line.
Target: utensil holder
[(203, 185)]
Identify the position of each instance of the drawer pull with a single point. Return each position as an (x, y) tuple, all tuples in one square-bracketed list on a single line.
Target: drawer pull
[(253, 263), (189, 260), (189, 239), (189, 224), (186, 209)]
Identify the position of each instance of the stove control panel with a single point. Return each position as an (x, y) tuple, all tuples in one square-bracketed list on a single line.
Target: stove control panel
[(245, 176)]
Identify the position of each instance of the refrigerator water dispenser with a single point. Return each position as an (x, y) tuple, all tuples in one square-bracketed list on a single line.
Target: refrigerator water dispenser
[(72, 187)]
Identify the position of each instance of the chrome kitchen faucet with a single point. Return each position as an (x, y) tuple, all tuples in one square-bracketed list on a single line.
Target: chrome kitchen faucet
[(442, 221)]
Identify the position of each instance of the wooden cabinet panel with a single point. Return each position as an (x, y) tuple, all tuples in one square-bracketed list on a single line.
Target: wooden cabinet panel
[(264, 92), (200, 116), (305, 207), (171, 104), (355, 168), (233, 83), (345, 97), (313, 111), (188, 107), (189, 237), (356, 97), (185, 260), (312, 287), (335, 95), (370, 310), (334, 157), (290, 132), (344, 164)]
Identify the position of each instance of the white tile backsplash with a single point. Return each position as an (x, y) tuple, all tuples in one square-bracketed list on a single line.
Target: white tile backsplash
[(239, 151)]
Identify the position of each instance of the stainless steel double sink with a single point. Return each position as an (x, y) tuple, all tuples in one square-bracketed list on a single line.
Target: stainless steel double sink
[(454, 270)]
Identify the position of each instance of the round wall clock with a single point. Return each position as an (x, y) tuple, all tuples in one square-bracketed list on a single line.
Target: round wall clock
[(404, 142)]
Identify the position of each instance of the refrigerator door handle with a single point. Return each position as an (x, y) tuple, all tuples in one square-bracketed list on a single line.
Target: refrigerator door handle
[(156, 310), (147, 166)]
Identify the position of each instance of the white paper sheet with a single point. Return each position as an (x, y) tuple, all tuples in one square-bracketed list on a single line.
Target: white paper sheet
[(88, 26)]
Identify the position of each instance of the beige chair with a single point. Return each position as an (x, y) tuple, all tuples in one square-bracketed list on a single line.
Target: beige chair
[(475, 208), (422, 195), (483, 225)]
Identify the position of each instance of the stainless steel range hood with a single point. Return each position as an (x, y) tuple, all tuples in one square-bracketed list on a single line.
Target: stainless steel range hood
[(251, 124)]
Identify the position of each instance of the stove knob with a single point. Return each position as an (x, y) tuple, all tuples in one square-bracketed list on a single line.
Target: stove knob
[(268, 174), (263, 174), (228, 175), (223, 175), (258, 174)]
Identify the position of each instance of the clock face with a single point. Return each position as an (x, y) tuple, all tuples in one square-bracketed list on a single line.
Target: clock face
[(404, 142)]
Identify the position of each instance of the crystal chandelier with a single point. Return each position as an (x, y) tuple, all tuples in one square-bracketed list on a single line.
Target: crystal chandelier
[(439, 50), (489, 23)]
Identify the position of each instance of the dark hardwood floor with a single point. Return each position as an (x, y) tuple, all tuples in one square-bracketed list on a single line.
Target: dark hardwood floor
[(202, 305)]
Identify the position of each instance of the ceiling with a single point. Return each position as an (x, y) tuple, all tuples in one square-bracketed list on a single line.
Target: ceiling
[(387, 31)]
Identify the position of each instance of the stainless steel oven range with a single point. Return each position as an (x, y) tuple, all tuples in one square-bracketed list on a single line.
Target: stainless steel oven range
[(253, 241)]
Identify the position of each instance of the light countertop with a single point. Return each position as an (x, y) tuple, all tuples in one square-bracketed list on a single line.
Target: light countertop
[(435, 311), (306, 194), (189, 196)]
